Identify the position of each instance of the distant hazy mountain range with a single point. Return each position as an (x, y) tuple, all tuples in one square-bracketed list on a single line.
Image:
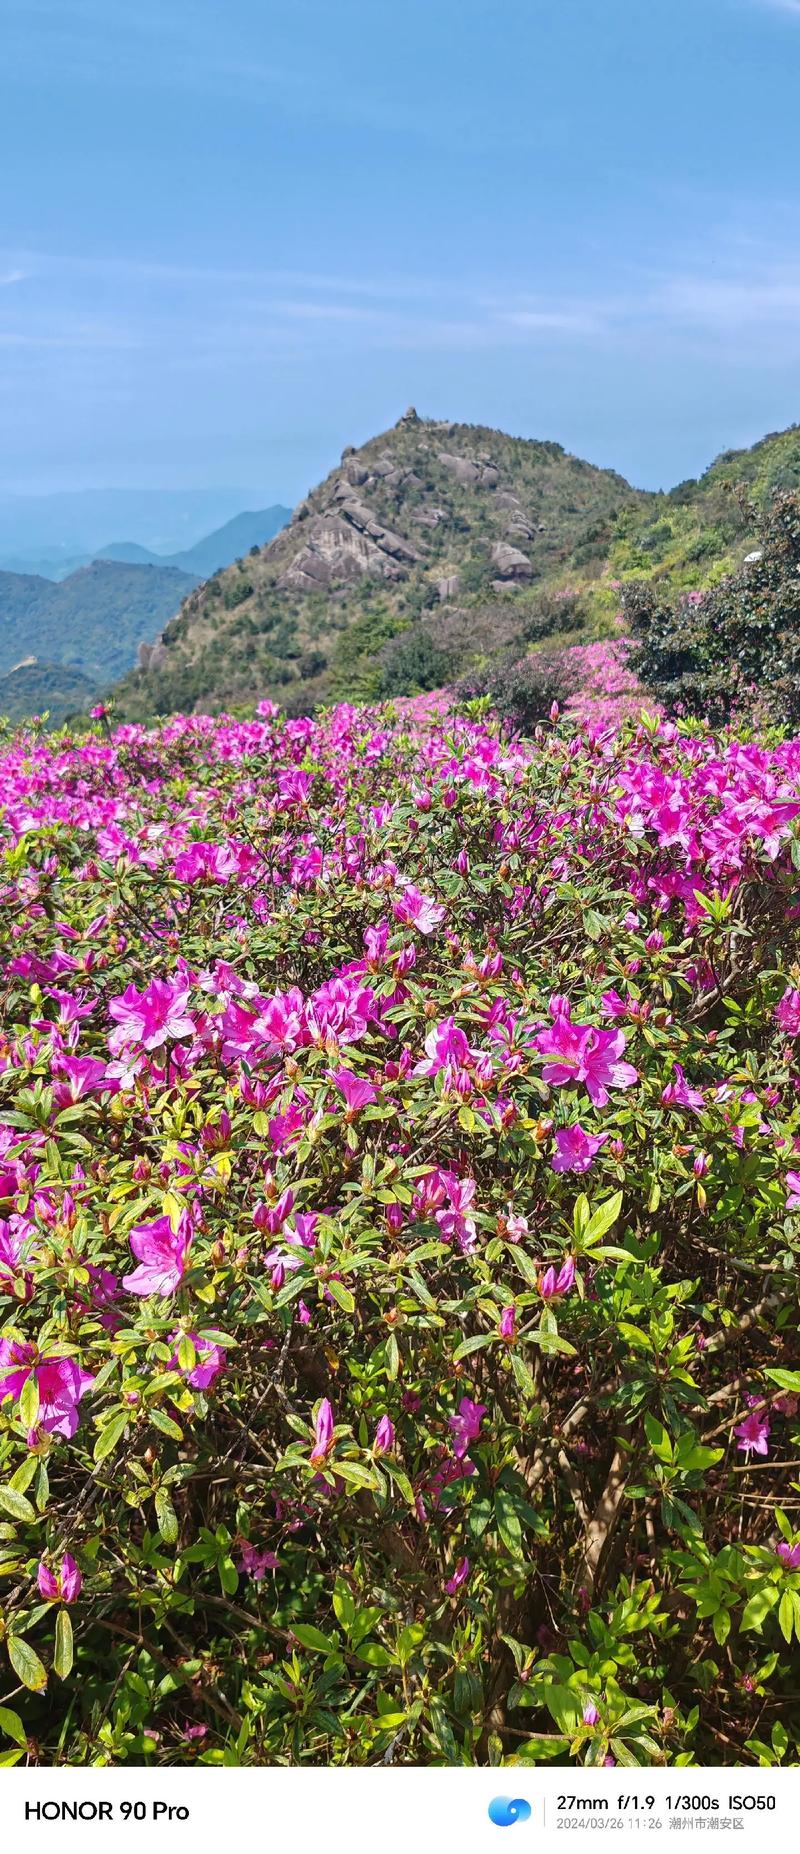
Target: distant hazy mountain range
[(70, 627), (77, 524), (206, 556)]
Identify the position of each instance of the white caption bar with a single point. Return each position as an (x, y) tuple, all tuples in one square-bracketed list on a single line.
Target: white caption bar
[(397, 1811)]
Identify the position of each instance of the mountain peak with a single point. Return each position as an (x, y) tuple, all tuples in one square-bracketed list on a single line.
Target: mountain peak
[(428, 518), (436, 546)]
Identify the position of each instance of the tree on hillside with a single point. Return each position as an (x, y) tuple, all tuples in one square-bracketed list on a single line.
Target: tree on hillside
[(733, 650)]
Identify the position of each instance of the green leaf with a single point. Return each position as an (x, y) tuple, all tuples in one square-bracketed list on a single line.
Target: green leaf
[(522, 1375), (408, 1641), (344, 1603), (602, 1218), (402, 1483), (341, 1295), (580, 1216), (508, 1521), (475, 1344), (365, 1620), (26, 1664), (657, 1437), (786, 1615), (166, 1425), (357, 1475), (228, 1575), (16, 1505), (562, 1704), (721, 1625), (314, 1639), (29, 1401), (527, 1267), (11, 1724), (788, 1380), (624, 1754), (691, 1454), (537, 1750), (780, 1739), (21, 1480), (63, 1655), (110, 1435), (166, 1517), (761, 1602), (187, 1356), (374, 1654)]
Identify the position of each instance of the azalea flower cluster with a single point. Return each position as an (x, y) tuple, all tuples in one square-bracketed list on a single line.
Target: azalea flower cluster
[(399, 1191)]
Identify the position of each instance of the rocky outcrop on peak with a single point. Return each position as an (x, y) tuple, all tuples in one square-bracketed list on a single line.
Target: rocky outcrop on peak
[(472, 470), (510, 563), (344, 546)]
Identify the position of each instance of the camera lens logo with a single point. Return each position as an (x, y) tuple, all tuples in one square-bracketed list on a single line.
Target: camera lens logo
[(504, 1810)]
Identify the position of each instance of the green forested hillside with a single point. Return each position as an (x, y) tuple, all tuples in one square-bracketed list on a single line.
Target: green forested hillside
[(36, 688), (94, 620)]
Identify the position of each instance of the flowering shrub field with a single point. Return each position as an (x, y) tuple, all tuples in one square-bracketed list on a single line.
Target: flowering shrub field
[(399, 1193), (595, 683)]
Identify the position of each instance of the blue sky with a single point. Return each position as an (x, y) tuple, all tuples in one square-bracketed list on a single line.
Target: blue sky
[(236, 237)]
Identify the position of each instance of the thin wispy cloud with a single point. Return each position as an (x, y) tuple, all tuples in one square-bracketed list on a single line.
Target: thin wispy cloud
[(260, 313)]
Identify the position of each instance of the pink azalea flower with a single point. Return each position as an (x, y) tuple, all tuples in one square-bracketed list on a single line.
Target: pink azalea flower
[(376, 942), (152, 1017), (285, 1129), (323, 1433), (255, 1563), (679, 1093), (210, 1361), (576, 1150), (508, 1323), (793, 1190), (64, 1585), (445, 1046), (459, 1577), (753, 1433), (77, 1077), (552, 1284), (384, 1436), (466, 1425), (418, 910), (357, 1093), (578, 1054), (590, 1714), (162, 1254), (15, 1243), (787, 1013), (60, 1381), (790, 1555), (294, 788)]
